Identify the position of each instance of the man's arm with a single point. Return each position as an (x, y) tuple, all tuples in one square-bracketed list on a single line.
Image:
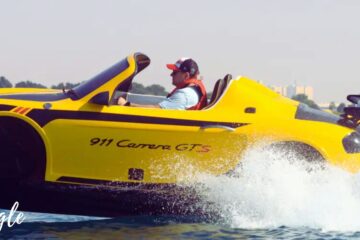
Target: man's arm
[(143, 105), (122, 102)]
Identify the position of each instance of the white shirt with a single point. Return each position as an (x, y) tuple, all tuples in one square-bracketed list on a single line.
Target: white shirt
[(181, 99)]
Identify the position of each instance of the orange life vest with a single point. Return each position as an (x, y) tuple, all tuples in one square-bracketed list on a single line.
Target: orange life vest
[(198, 84)]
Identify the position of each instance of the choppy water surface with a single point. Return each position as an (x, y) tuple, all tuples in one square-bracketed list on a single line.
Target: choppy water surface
[(271, 198)]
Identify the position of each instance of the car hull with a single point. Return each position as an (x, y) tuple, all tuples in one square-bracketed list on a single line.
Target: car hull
[(105, 201)]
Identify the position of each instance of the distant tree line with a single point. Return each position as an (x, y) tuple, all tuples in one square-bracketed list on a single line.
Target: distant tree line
[(65, 85), (156, 89), (138, 88), (337, 109), (303, 98), (5, 83)]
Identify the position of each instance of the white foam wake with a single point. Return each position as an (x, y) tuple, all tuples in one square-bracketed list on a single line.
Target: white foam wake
[(273, 192)]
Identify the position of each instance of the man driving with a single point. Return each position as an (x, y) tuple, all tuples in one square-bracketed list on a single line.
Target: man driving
[(189, 92)]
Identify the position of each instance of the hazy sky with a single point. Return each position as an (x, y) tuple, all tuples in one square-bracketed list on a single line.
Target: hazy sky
[(310, 42)]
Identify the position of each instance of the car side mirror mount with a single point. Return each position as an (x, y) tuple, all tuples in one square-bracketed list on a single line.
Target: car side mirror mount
[(100, 99)]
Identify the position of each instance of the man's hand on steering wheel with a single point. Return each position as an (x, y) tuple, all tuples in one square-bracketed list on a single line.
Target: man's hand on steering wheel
[(121, 101)]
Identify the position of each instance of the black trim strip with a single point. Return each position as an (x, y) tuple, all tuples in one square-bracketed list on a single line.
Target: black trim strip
[(88, 86), (137, 185), (4, 107), (43, 117), (40, 97)]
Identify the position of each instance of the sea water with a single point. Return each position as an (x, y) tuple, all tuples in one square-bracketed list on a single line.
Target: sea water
[(270, 197)]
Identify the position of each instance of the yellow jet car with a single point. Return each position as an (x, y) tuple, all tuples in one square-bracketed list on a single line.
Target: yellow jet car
[(75, 151)]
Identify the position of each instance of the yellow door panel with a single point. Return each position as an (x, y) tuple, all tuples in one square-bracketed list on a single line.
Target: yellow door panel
[(166, 153)]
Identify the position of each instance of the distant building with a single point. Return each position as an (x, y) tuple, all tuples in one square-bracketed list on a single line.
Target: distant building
[(279, 89), (292, 90)]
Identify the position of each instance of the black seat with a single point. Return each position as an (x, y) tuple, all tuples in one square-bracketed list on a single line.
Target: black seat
[(215, 91), (219, 89)]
